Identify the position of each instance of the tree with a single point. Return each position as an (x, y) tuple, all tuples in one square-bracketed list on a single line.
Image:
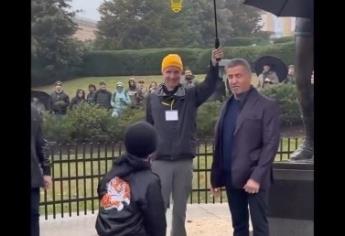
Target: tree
[(243, 19), (53, 50), (234, 20), (150, 23), (138, 24)]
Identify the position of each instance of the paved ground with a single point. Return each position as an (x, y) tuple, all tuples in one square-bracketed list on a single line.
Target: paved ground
[(202, 220)]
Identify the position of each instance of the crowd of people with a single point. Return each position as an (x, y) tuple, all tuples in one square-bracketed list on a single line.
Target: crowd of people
[(120, 99), (135, 95)]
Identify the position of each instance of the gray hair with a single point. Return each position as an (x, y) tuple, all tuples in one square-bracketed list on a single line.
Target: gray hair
[(238, 62)]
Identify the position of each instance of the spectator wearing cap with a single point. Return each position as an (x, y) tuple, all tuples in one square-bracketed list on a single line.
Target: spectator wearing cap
[(130, 196), (59, 100), (172, 110), (103, 96), (120, 99)]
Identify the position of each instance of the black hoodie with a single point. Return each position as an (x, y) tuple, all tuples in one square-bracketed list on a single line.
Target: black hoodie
[(134, 207)]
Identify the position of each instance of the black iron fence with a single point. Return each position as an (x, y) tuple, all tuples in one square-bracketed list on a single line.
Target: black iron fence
[(77, 169)]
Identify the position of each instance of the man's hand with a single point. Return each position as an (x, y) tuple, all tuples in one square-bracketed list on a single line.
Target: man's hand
[(47, 181), (252, 186), (215, 191), (217, 54)]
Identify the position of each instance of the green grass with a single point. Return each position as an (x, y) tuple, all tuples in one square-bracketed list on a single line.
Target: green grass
[(89, 165), (71, 86)]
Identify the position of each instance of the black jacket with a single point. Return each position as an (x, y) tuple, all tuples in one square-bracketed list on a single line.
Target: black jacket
[(91, 97), (76, 101), (103, 98), (59, 102), (39, 159), (141, 211), (177, 139)]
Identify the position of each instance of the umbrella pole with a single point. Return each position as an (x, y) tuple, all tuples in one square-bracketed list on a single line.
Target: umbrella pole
[(215, 23)]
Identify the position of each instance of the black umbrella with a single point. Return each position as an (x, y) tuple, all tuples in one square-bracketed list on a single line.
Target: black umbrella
[(276, 65), (43, 97), (295, 8)]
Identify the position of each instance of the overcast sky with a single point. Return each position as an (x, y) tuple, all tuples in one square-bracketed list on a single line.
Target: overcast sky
[(89, 8)]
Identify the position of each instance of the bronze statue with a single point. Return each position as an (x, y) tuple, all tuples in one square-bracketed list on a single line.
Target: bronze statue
[(304, 65)]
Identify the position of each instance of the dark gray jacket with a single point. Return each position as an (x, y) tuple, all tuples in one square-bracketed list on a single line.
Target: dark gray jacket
[(103, 98), (256, 141), (177, 138), (90, 98), (59, 103), (39, 159)]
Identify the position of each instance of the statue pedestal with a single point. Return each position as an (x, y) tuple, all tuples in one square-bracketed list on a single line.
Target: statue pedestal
[(291, 203)]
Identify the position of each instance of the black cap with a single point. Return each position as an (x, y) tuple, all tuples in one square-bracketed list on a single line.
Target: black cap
[(141, 139), (58, 83)]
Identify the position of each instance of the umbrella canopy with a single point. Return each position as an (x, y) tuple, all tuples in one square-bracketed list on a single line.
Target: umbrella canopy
[(293, 8), (276, 65), (43, 97)]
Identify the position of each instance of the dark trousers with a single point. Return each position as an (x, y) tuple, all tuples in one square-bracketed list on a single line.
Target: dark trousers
[(35, 200), (258, 205)]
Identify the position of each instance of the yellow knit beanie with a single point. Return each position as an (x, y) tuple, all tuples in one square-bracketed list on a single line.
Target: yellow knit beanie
[(172, 60)]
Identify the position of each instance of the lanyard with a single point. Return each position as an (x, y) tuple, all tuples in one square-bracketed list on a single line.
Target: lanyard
[(171, 104)]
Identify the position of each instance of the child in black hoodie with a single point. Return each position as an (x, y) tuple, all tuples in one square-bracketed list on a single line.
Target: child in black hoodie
[(131, 203)]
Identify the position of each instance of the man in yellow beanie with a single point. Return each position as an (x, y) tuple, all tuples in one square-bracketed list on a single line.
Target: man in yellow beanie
[(172, 110)]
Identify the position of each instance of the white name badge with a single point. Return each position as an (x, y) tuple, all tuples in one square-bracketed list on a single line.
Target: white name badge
[(171, 115)]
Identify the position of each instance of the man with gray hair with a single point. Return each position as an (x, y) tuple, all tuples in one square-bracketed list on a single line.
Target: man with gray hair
[(246, 142)]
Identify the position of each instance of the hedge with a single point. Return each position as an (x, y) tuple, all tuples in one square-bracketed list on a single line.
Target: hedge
[(86, 123), (246, 41), (148, 61), (284, 39), (286, 96)]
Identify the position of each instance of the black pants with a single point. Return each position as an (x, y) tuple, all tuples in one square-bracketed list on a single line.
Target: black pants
[(258, 204), (35, 200)]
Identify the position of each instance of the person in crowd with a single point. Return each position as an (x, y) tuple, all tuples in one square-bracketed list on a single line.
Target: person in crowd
[(78, 99), (133, 91), (103, 96), (40, 168), (120, 99), (91, 95), (59, 100), (267, 77), (290, 78), (153, 86)]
